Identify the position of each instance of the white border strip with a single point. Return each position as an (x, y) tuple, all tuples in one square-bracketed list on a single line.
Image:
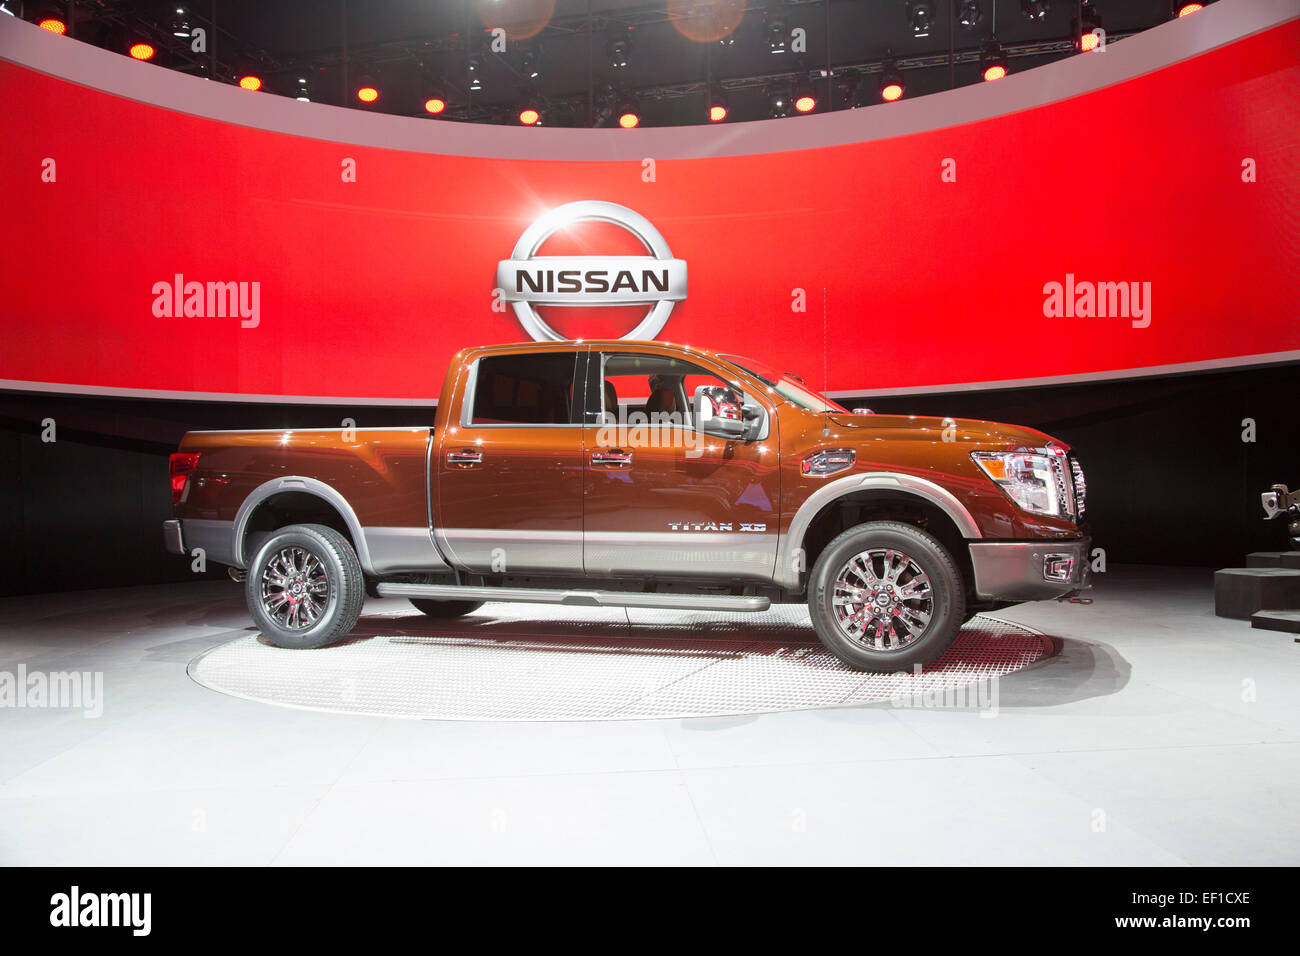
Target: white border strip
[(1078, 378), (1217, 25), (184, 395), (1081, 378)]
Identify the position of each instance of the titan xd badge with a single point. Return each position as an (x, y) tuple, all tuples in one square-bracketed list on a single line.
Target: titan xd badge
[(528, 280)]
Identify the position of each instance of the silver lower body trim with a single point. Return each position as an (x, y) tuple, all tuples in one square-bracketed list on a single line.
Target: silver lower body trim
[(514, 550), (401, 549), (216, 538), (1013, 570), (173, 541), (719, 554), (576, 598)]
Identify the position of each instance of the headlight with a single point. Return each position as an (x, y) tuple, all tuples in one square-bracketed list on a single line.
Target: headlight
[(1037, 480)]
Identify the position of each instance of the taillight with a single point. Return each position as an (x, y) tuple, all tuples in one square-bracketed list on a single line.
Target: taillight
[(182, 463)]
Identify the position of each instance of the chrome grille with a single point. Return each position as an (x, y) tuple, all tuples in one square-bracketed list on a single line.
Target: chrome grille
[(1080, 486)]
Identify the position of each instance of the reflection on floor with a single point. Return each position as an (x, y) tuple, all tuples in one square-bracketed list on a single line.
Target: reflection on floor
[(1158, 734), (521, 662)]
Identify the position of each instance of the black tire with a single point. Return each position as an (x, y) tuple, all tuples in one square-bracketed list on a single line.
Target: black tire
[(340, 599), (445, 609), (946, 604)]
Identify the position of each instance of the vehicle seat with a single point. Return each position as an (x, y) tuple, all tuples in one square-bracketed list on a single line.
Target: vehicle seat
[(661, 400), (611, 401)]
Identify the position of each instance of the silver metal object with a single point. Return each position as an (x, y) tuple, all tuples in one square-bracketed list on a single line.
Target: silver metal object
[(882, 599), (578, 598), (295, 588), (615, 458), (173, 540)]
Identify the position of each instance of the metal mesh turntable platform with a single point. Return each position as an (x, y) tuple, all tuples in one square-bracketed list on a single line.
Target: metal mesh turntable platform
[(530, 662)]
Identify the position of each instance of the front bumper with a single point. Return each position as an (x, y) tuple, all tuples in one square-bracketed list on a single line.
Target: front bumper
[(1030, 570)]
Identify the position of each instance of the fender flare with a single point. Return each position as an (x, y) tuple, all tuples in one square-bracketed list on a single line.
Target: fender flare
[(311, 486), (788, 574)]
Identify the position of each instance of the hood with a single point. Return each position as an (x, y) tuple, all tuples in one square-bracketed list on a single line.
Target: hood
[(967, 430)]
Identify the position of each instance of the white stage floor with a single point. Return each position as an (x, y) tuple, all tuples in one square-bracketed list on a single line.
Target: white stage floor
[(1158, 734), (536, 662)]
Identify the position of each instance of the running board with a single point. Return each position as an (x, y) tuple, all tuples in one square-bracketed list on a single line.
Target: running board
[(676, 602)]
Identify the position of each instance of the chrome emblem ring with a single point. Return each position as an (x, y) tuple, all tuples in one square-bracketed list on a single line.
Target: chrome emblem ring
[(527, 280)]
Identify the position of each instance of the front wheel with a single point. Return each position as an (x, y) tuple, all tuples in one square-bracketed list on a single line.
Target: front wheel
[(305, 587), (884, 596)]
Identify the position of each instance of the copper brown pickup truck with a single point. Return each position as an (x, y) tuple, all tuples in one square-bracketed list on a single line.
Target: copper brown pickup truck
[(639, 474)]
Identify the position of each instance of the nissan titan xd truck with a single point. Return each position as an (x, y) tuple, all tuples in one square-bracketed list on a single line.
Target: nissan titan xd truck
[(639, 474)]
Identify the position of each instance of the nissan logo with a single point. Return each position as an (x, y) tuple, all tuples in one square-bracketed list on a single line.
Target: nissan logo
[(527, 280)]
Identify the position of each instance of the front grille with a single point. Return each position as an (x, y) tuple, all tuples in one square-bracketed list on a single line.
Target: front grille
[(1080, 486)]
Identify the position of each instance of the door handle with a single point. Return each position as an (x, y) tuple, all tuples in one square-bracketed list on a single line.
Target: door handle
[(464, 456), (615, 458)]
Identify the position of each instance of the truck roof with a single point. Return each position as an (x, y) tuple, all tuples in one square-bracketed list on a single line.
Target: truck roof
[(593, 343)]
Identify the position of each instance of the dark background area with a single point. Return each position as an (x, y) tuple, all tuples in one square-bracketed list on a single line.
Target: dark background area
[(1170, 480), (412, 50)]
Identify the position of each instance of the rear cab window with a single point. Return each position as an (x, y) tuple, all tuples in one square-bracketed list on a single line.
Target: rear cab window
[(530, 389)]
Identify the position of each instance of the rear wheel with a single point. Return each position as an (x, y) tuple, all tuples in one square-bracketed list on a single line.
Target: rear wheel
[(886, 595), (305, 587), (445, 609)]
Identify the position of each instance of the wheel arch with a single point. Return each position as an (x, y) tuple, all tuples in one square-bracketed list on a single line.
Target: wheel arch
[(310, 500), (879, 496)]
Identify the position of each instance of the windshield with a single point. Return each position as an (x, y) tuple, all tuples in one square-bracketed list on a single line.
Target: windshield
[(785, 385)]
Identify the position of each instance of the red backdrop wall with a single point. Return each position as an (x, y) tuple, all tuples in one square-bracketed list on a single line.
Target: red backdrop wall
[(367, 288)]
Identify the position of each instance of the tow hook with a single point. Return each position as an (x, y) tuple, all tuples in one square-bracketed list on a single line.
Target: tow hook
[(1073, 598)]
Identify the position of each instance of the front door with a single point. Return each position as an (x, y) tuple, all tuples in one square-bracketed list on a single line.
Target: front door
[(509, 471), (661, 499)]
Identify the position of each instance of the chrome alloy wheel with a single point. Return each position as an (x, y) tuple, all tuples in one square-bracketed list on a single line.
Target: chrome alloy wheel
[(882, 599), (295, 588)]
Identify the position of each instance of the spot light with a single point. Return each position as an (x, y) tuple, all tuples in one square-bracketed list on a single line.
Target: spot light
[(717, 105), (777, 30), (531, 65), (969, 13), (619, 54), (778, 102), (629, 117), (891, 84), (180, 24), (805, 101), (367, 90), (1087, 29), (1035, 10), (921, 16), (993, 62)]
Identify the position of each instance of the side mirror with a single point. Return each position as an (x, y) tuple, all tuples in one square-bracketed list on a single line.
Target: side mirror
[(719, 412)]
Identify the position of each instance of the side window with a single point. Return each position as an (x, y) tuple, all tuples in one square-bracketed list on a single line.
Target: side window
[(534, 389), (651, 389)]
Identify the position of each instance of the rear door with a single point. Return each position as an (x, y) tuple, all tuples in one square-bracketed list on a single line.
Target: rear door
[(660, 499), (509, 468)]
